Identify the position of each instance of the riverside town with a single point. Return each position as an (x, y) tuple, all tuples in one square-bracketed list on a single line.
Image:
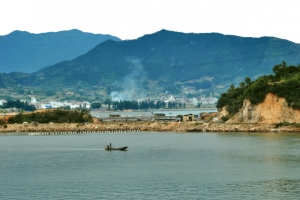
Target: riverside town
[(165, 103)]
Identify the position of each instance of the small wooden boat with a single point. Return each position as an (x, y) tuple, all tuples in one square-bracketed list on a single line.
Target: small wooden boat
[(116, 148)]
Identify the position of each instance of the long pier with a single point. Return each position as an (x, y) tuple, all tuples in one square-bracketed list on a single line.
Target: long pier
[(80, 132)]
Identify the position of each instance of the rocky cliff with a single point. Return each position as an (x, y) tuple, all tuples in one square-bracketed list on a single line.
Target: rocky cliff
[(271, 111)]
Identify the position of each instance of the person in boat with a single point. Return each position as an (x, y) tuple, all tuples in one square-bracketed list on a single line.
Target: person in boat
[(107, 147)]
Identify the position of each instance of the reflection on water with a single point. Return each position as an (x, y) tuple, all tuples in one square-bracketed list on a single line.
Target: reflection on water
[(156, 166)]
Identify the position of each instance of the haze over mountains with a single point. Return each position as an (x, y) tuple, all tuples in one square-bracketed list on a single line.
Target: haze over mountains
[(26, 52), (162, 61)]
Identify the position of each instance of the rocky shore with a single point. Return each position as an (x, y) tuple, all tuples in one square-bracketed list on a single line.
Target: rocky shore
[(145, 126)]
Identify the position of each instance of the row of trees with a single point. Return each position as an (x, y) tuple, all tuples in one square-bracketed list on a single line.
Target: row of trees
[(117, 105), (285, 82), (18, 104), (143, 105)]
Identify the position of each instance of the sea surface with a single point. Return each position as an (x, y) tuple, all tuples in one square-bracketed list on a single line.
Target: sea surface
[(157, 165)]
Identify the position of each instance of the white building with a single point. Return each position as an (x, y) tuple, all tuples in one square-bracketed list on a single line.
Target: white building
[(209, 100), (79, 105), (169, 99), (194, 101), (46, 106), (33, 100), (2, 102)]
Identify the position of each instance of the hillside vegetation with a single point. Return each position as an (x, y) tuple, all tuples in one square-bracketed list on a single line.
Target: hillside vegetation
[(153, 65), (284, 82), (54, 116), (18, 104), (174, 59)]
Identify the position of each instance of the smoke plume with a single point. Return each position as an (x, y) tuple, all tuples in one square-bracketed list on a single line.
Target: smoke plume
[(129, 83)]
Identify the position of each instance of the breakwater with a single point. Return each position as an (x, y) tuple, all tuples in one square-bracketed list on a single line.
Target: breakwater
[(194, 126), (78, 132)]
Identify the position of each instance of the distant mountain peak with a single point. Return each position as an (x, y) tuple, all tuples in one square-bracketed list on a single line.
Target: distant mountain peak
[(29, 52), (17, 32)]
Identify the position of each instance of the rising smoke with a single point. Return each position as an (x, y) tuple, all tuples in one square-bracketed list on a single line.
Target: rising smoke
[(129, 83)]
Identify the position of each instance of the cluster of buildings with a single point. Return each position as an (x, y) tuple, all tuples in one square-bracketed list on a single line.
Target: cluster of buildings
[(54, 104), (59, 104), (188, 102)]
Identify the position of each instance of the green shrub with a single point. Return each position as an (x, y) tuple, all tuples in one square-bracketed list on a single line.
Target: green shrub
[(224, 118), (55, 116)]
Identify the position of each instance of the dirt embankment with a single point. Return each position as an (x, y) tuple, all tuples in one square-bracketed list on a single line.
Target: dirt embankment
[(146, 126), (271, 111)]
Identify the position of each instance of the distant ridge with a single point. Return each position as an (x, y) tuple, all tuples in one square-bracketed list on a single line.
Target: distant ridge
[(163, 62), (173, 56), (21, 51)]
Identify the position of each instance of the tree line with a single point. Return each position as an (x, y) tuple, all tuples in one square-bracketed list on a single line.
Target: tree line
[(142, 105), (19, 105)]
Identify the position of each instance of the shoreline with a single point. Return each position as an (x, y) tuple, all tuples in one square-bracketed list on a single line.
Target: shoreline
[(194, 126), (150, 110)]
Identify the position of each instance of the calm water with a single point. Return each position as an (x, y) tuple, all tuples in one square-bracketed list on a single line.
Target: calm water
[(156, 166)]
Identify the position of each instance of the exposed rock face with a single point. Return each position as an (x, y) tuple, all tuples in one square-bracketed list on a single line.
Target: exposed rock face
[(273, 110), (222, 113)]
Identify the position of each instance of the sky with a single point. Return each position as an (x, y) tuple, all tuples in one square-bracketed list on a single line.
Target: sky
[(130, 19)]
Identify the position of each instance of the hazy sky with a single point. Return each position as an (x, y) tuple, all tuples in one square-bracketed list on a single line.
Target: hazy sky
[(130, 19)]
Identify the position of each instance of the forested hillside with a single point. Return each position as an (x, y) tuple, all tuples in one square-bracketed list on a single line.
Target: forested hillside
[(162, 62), (172, 58), (284, 82)]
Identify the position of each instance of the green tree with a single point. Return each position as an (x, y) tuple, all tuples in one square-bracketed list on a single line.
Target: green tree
[(95, 105), (18, 104)]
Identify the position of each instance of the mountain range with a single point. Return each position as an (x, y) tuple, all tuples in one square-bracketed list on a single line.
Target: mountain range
[(22, 51), (160, 62)]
